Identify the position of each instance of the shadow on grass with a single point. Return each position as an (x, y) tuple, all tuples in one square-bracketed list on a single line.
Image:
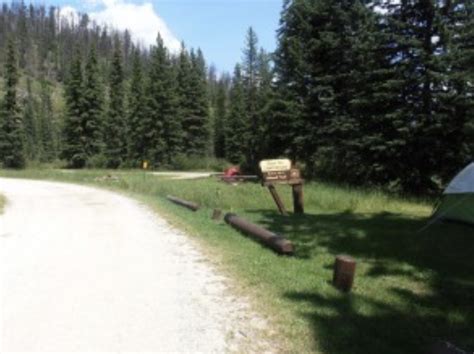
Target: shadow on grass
[(438, 261)]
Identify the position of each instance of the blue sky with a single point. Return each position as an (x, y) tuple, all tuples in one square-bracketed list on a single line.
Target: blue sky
[(217, 26)]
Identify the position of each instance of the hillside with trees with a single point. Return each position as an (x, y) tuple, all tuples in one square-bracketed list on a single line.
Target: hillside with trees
[(375, 93)]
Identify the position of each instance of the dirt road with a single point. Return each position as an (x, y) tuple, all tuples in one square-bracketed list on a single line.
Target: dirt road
[(84, 269)]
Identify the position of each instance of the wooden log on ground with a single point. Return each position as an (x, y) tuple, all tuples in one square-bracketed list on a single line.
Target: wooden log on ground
[(344, 273), (276, 242), (187, 204)]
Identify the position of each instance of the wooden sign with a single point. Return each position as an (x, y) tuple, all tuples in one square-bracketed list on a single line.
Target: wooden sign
[(275, 165), (280, 172)]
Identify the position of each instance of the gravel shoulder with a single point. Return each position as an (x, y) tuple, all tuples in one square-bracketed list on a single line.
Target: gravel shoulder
[(83, 269)]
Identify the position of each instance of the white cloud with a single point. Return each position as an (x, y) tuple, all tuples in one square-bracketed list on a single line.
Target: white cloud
[(142, 20), (69, 13)]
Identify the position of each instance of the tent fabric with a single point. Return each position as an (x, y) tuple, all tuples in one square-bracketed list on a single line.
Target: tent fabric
[(463, 182), (458, 198), (457, 207)]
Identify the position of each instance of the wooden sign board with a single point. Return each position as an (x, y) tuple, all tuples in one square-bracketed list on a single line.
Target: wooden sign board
[(280, 172), (275, 165)]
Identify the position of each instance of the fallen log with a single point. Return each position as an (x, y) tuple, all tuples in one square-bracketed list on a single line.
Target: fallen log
[(277, 242), (187, 204)]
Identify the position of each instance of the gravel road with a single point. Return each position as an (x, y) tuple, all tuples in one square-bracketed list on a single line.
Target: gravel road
[(84, 269)]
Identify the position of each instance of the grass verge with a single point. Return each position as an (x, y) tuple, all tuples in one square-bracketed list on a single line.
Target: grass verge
[(412, 287), (2, 203)]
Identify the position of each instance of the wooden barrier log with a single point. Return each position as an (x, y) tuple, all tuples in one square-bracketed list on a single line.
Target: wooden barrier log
[(277, 242), (187, 204), (344, 273)]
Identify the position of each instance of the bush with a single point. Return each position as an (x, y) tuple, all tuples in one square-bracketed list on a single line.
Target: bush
[(195, 163)]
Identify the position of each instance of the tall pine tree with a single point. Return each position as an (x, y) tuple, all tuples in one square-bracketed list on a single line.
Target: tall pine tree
[(93, 107), (12, 153), (73, 146), (236, 122), (115, 131), (137, 132)]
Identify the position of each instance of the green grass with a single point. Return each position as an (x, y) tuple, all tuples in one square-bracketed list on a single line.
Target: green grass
[(411, 289), (2, 203)]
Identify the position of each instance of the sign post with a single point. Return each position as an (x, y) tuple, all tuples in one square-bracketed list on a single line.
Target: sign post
[(281, 172)]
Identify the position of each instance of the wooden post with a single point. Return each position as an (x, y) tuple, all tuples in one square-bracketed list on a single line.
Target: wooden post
[(298, 201), (344, 272), (276, 198), (216, 214)]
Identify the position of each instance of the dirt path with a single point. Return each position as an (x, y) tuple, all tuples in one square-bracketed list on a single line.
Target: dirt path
[(84, 269)]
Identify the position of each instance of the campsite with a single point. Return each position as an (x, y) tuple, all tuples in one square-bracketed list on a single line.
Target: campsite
[(412, 286), (265, 176)]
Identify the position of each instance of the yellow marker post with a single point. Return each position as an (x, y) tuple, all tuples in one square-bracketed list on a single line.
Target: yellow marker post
[(145, 165)]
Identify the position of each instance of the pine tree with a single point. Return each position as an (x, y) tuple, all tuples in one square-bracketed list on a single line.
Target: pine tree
[(93, 107), (73, 147), (138, 135), (196, 122), (47, 133), (250, 75), (116, 123), (30, 124), (162, 124), (221, 112), (236, 121), (12, 153)]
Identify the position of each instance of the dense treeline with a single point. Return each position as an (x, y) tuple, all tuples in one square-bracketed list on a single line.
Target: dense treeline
[(377, 92), (95, 99)]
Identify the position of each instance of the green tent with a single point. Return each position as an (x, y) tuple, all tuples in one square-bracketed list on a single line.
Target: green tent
[(457, 203)]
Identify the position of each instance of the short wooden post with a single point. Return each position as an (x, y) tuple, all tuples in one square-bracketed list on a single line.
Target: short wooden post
[(216, 214), (344, 272), (298, 200), (276, 198)]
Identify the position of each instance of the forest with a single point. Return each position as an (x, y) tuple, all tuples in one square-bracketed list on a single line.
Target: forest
[(375, 93)]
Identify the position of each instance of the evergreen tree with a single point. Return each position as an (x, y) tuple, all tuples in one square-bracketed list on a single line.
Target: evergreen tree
[(221, 112), (93, 107), (250, 75), (12, 153), (196, 122), (163, 122), (30, 124), (116, 122), (236, 121), (138, 134), (47, 138), (73, 147)]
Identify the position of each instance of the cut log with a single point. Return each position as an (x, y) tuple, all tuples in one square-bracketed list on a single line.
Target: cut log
[(276, 242), (187, 204)]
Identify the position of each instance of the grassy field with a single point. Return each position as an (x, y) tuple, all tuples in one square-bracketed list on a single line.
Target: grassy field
[(412, 287), (2, 203)]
